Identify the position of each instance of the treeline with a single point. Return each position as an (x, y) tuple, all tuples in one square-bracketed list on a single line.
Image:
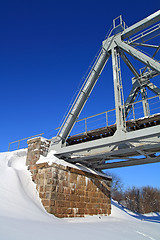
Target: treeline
[(141, 200)]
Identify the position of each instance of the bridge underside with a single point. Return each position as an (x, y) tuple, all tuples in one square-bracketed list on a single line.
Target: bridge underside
[(105, 148)]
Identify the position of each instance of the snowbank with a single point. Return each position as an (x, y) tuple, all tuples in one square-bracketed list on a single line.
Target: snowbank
[(22, 215)]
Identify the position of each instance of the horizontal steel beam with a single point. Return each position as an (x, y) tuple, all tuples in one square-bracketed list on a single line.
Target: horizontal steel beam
[(139, 26), (144, 45), (147, 75), (147, 35), (134, 136), (133, 162), (125, 153)]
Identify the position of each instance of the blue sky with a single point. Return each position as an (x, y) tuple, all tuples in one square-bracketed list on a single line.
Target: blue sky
[(45, 49)]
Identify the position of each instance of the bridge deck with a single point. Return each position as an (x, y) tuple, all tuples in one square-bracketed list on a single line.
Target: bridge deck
[(141, 147), (132, 125)]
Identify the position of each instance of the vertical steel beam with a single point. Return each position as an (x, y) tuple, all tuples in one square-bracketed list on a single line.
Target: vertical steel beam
[(86, 125), (106, 119), (117, 91), (145, 103), (134, 117)]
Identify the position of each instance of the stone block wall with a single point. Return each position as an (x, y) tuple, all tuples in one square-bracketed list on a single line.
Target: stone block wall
[(36, 147), (67, 191)]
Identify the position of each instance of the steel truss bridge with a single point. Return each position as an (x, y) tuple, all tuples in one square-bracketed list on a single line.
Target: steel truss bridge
[(128, 141)]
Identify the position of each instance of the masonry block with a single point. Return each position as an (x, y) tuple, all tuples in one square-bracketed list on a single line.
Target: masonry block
[(67, 191)]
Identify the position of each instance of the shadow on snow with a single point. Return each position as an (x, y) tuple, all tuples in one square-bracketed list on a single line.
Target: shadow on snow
[(155, 219)]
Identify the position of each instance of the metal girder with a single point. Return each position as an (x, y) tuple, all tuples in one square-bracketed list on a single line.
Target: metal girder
[(129, 64), (139, 26), (130, 162), (131, 97), (152, 57), (100, 161), (137, 85), (134, 92), (109, 45), (140, 82), (148, 61), (122, 153), (122, 144), (83, 95), (146, 35), (153, 88), (156, 52), (145, 45), (145, 102), (150, 74), (105, 144), (118, 91)]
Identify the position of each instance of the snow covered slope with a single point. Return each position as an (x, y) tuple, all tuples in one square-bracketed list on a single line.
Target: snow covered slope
[(22, 215)]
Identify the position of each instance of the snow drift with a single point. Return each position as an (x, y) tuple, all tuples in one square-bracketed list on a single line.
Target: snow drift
[(22, 215)]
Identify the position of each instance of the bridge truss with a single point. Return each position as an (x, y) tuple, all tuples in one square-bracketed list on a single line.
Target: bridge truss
[(132, 142)]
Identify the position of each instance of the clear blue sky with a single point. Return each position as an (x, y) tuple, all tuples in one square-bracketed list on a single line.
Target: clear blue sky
[(45, 49)]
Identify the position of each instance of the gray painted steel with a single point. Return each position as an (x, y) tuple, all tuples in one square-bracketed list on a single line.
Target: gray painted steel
[(148, 21), (124, 144), (83, 95), (148, 61)]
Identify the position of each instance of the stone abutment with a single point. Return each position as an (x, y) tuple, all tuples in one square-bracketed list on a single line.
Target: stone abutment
[(67, 190)]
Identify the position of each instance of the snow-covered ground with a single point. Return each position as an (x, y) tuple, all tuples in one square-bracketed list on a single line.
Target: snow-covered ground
[(22, 215)]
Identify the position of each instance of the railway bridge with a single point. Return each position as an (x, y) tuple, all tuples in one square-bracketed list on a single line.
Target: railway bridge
[(129, 140)]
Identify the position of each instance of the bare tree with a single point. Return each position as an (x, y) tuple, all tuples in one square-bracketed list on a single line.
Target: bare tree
[(143, 200), (116, 187), (132, 199), (150, 199)]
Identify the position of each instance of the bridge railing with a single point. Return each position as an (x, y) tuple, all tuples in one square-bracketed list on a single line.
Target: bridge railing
[(96, 121), (21, 143), (108, 118), (137, 108)]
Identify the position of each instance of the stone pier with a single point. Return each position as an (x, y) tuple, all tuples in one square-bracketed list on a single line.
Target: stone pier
[(66, 190)]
